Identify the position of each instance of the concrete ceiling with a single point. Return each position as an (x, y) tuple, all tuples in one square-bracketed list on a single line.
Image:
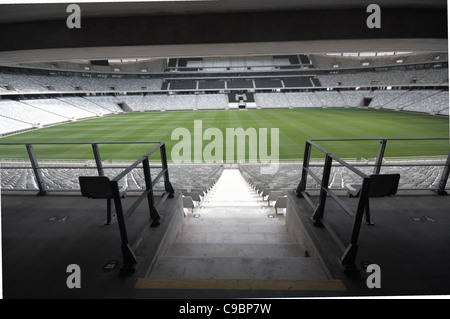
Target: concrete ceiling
[(38, 32), (35, 11)]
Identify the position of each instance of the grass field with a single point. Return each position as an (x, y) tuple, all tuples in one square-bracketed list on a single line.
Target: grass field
[(295, 127)]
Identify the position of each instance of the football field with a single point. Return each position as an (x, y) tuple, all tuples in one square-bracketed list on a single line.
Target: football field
[(294, 126)]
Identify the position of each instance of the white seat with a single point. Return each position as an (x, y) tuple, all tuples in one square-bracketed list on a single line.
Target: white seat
[(188, 203), (273, 195), (281, 202), (353, 189)]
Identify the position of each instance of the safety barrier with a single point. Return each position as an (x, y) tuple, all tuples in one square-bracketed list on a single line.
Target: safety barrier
[(113, 187), (348, 258)]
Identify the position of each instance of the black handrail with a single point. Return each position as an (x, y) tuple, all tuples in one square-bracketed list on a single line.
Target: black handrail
[(96, 156), (129, 257), (127, 251), (348, 258)]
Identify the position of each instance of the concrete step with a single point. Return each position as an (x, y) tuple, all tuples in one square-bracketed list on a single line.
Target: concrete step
[(231, 237), (223, 207), (231, 222), (233, 212), (234, 250), (234, 238), (222, 268), (248, 228)]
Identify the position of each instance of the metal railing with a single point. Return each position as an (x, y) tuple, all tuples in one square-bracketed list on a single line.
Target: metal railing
[(348, 258), (127, 251), (143, 162), (92, 161)]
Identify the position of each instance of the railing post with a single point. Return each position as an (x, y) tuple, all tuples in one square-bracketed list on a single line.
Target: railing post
[(444, 177), (36, 169), (318, 213), (302, 185), (98, 160), (348, 260), (154, 215), (129, 259), (380, 156), (167, 185)]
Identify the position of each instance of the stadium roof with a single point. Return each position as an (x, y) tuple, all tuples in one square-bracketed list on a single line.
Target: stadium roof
[(141, 29)]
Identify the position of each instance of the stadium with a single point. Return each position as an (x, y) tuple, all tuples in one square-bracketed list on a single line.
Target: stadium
[(224, 150)]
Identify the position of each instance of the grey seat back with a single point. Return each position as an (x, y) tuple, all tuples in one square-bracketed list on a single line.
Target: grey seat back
[(95, 186)]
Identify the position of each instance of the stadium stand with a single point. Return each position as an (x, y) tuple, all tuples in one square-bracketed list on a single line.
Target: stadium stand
[(212, 101), (181, 102), (268, 83), (407, 98), (60, 108), (300, 82), (20, 83), (382, 97), (154, 102), (412, 177), (134, 102), (55, 83), (271, 100), (211, 84), (240, 84), (86, 104), (387, 78), (434, 104), (189, 177), (91, 83), (107, 102), (418, 84), (354, 98), (303, 99), (445, 111), (8, 126), (330, 98), (29, 114)]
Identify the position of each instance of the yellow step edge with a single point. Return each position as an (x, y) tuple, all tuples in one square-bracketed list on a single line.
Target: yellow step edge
[(328, 285)]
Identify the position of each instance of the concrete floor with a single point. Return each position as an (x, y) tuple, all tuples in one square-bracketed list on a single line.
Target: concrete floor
[(42, 235)]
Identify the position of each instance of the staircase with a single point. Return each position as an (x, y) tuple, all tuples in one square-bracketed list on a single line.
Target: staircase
[(231, 241)]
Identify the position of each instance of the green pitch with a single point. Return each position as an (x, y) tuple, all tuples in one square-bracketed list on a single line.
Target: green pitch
[(295, 127)]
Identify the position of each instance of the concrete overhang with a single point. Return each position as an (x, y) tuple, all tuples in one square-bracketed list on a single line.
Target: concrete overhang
[(217, 28)]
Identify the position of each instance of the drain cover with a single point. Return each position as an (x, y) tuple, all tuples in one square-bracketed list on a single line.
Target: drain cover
[(110, 265), (429, 219), (58, 219), (63, 219), (423, 219)]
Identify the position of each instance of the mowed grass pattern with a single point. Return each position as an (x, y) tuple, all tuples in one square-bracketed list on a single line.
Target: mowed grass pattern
[(295, 127)]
